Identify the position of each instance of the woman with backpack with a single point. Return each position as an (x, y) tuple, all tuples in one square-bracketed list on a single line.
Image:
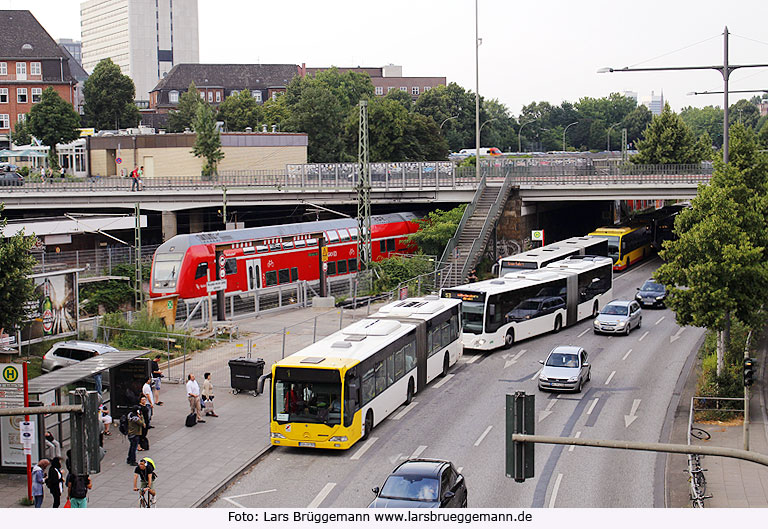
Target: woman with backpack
[(55, 481)]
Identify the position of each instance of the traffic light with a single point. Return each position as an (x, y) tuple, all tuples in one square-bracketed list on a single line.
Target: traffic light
[(750, 366), (520, 419)]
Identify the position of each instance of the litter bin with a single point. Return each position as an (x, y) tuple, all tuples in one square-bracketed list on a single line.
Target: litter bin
[(244, 374)]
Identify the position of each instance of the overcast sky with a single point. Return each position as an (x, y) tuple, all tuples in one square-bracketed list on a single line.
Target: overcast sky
[(548, 50)]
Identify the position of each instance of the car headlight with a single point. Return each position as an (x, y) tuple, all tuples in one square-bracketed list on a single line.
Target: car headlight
[(481, 341), (338, 439), (638, 297), (573, 379), (660, 298), (276, 435), (542, 377), (596, 322), (620, 323)]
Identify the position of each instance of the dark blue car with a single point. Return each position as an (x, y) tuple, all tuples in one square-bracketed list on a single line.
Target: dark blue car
[(427, 483)]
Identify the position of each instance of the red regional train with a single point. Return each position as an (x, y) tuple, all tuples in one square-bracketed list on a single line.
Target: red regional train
[(265, 257)]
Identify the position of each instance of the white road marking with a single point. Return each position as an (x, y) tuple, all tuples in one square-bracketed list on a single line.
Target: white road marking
[(592, 406), (364, 448), (250, 494), (321, 496), (405, 410), (472, 359), (515, 358), (570, 448), (626, 355), (536, 374), (675, 336), (548, 411), (585, 331), (643, 336), (480, 439), (460, 469), (608, 381), (233, 502), (416, 453), (445, 379), (660, 320), (629, 419), (554, 491)]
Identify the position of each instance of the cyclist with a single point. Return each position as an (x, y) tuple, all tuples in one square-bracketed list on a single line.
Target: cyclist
[(146, 471)]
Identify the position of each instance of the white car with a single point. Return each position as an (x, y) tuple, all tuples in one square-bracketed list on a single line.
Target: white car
[(68, 353), (566, 369), (618, 317)]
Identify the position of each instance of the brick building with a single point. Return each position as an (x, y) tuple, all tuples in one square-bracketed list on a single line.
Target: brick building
[(387, 78), (30, 61)]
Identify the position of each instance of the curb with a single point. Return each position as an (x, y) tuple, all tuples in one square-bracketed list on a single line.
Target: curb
[(211, 495)]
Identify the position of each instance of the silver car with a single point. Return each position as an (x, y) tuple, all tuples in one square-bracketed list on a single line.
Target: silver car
[(566, 368), (68, 353), (618, 317)]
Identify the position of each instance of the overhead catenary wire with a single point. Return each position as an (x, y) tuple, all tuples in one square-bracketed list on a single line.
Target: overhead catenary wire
[(675, 51)]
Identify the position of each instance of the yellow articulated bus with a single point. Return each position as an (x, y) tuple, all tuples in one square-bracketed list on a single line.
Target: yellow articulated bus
[(627, 244), (334, 392)]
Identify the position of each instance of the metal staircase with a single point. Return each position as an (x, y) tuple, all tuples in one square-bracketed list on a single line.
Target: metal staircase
[(474, 231)]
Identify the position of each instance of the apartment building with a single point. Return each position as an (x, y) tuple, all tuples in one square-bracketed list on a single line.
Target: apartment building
[(387, 78)]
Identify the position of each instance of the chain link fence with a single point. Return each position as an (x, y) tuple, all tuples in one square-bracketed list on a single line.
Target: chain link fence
[(96, 262)]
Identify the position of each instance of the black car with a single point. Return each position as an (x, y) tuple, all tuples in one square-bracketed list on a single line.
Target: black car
[(652, 294), (427, 483), (10, 178), (534, 307)]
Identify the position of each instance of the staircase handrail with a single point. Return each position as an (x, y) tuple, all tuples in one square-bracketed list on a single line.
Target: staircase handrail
[(479, 243), (468, 211)]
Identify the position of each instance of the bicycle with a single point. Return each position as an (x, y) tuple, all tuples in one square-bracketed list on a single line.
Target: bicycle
[(698, 433), (146, 500), (698, 481)]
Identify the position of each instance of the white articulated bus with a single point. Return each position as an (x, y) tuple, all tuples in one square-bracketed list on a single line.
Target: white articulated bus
[(332, 393), (499, 312), (541, 257)]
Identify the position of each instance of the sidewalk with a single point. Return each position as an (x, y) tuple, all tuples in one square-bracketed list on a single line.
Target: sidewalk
[(193, 463), (731, 482)]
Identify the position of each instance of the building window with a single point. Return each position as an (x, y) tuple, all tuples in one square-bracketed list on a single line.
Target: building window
[(21, 71), (34, 68), (3, 68), (379, 90), (256, 95), (173, 96), (210, 97), (37, 95), (427, 88), (3, 95), (21, 95), (202, 95), (20, 118), (234, 92), (5, 121), (403, 88), (415, 90), (218, 96), (274, 95), (390, 88)]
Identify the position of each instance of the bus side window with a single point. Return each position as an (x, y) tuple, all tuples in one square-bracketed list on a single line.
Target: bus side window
[(399, 364), (390, 369), (369, 389), (410, 356)]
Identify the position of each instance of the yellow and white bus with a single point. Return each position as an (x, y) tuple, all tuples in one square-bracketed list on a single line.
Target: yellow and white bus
[(334, 392), (627, 244)]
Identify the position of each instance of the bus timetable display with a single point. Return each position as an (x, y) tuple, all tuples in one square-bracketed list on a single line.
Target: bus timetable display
[(478, 297)]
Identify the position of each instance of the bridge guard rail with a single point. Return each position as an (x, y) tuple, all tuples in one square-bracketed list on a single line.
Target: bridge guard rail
[(468, 212)]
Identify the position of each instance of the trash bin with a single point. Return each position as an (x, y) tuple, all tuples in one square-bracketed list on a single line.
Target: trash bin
[(244, 374)]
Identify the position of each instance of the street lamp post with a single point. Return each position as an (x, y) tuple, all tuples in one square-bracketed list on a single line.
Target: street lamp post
[(564, 131), (725, 69), (447, 120), (477, 93), (519, 133), (486, 121), (609, 135)]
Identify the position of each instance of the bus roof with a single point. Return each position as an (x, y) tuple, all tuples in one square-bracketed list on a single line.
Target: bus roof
[(350, 345), (416, 308), (618, 231), (580, 263), (545, 253), (511, 281)]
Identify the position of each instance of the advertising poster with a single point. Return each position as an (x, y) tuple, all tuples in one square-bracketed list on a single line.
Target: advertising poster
[(54, 309), (11, 449)]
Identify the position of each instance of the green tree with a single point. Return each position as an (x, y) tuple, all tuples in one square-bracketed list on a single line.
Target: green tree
[(208, 142), (21, 135), (707, 120), (404, 98), (444, 102), (393, 272), (240, 111), (635, 122), (275, 112), (745, 112), (668, 140), (321, 115), (186, 111), (16, 288), (762, 135), (109, 97), (53, 121), (436, 229)]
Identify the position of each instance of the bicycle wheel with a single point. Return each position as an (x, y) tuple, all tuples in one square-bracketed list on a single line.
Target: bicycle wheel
[(698, 433)]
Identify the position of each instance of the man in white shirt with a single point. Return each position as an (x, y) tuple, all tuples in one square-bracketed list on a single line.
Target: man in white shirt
[(193, 394), (146, 390)]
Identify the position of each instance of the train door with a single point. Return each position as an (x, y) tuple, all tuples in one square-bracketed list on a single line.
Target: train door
[(253, 270)]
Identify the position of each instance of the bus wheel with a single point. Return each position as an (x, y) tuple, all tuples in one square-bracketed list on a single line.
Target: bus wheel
[(509, 339), (558, 324), (409, 397), (595, 310), (446, 365), (368, 424)]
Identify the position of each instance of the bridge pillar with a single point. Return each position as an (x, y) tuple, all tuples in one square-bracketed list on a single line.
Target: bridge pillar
[(510, 230), (196, 224), (170, 225)]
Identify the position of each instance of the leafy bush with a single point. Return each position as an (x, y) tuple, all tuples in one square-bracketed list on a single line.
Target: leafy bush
[(145, 332), (397, 270), (24, 171), (436, 230)]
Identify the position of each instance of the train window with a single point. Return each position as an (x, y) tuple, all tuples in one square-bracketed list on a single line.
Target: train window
[(287, 245), (230, 267), (382, 246), (275, 247), (342, 267), (202, 270), (332, 236), (353, 265), (294, 274), (301, 243), (262, 248), (284, 276), (331, 268), (311, 242), (390, 245), (343, 235), (271, 278), (353, 233)]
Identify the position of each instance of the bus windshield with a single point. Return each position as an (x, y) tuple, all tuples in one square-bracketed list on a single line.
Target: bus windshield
[(308, 395), (472, 316), (167, 267), (613, 246)]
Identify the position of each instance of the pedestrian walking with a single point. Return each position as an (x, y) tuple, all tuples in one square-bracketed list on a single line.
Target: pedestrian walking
[(472, 277), (135, 427), (52, 447), (146, 390), (77, 490), (135, 179), (141, 178), (55, 481), (145, 413), (208, 395), (193, 394), (38, 479), (157, 374)]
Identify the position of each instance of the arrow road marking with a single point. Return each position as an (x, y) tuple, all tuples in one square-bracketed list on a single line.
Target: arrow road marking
[(472, 359), (660, 320), (536, 374), (230, 499), (629, 419), (547, 412), (321, 496), (480, 439), (643, 336), (592, 406), (585, 331), (570, 448), (364, 448), (610, 377), (393, 460), (554, 490), (676, 336), (416, 453), (626, 355), (514, 359)]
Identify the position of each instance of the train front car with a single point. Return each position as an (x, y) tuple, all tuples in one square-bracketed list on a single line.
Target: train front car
[(170, 267)]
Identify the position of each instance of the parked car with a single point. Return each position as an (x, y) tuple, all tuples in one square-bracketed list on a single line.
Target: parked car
[(566, 368), (9, 177), (618, 317), (68, 353), (652, 294), (428, 483)]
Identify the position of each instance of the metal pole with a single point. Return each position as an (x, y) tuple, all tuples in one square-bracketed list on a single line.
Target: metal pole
[(341, 318), (477, 93), (746, 398), (314, 331), (283, 355), (726, 74)]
